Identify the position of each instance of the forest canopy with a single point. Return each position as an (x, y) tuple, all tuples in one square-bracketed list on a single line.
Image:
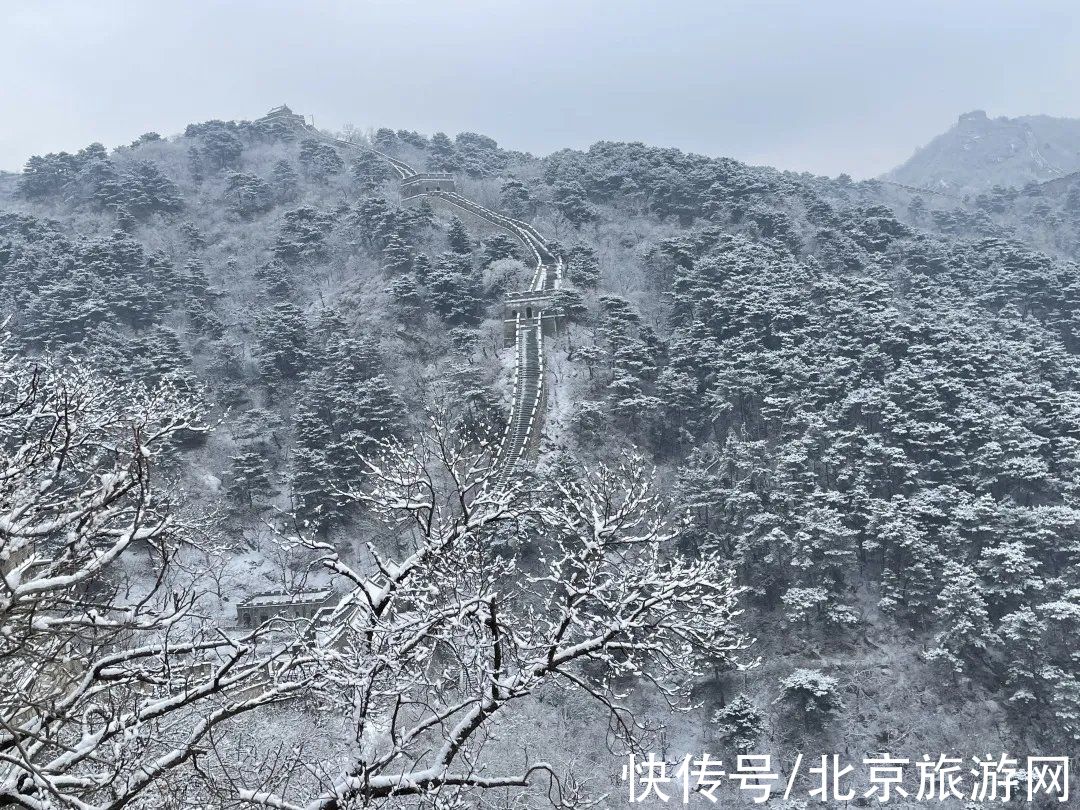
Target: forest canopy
[(855, 406)]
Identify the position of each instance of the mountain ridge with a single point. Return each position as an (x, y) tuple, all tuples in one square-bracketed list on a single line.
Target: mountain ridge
[(865, 397), (979, 152)]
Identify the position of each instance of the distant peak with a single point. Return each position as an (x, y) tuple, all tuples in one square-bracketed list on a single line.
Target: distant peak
[(973, 116), (980, 152)]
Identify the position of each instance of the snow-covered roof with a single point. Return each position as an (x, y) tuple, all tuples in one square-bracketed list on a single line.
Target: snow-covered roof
[(285, 598)]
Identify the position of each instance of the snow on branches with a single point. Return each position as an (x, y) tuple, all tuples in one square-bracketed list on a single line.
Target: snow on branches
[(480, 598), (499, 594), (110, 676)]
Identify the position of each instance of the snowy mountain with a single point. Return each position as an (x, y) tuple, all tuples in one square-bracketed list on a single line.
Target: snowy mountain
[(860, 400), (979, 152)]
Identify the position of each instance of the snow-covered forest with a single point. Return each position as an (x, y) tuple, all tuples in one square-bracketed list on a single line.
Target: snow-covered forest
[(806, 479)]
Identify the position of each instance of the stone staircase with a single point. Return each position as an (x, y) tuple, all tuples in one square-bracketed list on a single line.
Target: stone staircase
[(527, 399)]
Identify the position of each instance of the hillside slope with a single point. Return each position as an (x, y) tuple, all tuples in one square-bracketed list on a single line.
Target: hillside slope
[(872, 414)]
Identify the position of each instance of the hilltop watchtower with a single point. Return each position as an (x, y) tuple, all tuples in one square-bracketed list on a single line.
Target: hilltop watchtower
[(285, 116)]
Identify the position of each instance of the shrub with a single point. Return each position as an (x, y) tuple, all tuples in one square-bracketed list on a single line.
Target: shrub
[(813, 695)]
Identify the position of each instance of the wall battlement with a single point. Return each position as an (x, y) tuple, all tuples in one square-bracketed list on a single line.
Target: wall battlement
[(426, 182)]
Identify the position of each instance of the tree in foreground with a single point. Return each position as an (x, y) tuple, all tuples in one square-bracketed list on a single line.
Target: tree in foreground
[(110, 677), (119, 690), (497, 595)]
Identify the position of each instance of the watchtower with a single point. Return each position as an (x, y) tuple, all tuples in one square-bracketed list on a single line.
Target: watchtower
[(261, 607), (526, 308), (285, 116), (426, 182)]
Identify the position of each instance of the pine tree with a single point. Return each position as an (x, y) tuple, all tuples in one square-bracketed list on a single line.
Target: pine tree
[(370, 171), (281, 341), (479, 155), (147, 190), (823, 547), (195, 291), (515, 200), (169, 280), (156, 355), (1009, 574), (458, 237), (397, 257), (477, 405), (412, 138), (249, 483), (455, 289), (193, 280), (444, 157), (420, 216), (385, 139), (366, 414), (582, 266), (740, 724), (672, 195), (814, 696), (125, 220), (422, 267), (499, 246), (46, 176), (285, 181), (347, 407), (320, 160), (303, 236), (570, 304), (917, 208), (961, 614), (378, 221), (219, 147), (1021, 634), (248, 195), (311, 475), (406, 294), (192, 236), (331, 326), (909, 561), (573, 204), (99, 182), (716, 202), (589, 423)]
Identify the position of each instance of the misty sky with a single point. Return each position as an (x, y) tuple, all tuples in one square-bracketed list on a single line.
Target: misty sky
[(820, 85)]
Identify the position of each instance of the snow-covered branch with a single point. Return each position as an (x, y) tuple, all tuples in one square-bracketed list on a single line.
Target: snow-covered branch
[(110, 678), (499, 595)]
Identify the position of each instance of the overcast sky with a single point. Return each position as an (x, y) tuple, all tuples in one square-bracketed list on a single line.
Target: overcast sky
[(819, 85)]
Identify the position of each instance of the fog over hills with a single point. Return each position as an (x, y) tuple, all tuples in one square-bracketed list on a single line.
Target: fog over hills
[(980, 152)]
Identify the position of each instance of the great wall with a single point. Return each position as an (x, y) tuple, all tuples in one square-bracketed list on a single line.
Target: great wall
[(528, 313)]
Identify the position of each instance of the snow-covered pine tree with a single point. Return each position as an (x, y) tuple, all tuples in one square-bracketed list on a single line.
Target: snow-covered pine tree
[(458, 237)]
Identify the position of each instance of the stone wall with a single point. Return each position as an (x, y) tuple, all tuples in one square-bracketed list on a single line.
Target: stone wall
[(425, 183)]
